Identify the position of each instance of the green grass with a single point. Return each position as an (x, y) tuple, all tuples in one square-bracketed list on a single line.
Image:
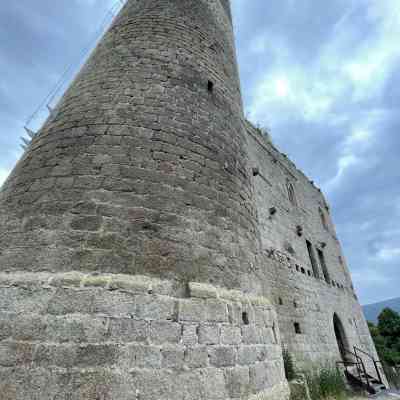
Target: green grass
[(326, 383)]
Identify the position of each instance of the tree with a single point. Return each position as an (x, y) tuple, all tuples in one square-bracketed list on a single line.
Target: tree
[(389, 323), (386, 336)]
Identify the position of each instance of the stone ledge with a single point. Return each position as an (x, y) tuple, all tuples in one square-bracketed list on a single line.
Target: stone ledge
[(205, 291), (75, 279), (130, 283)]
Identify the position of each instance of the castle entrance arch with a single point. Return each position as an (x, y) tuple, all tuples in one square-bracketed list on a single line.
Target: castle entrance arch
[(341, 337)]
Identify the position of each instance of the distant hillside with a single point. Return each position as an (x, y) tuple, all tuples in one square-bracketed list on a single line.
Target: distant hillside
[(372, 311)]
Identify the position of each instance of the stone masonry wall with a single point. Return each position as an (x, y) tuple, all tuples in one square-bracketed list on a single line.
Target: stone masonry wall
[(147, 168), (115, 337), (142, 167), (300, 296)]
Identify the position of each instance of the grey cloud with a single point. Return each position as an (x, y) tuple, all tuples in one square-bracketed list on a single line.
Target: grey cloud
[(333, 45)]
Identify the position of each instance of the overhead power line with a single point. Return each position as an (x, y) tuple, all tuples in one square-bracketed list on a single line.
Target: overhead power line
[(68, 72)]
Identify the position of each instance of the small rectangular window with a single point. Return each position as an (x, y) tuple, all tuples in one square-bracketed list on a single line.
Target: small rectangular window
[(323, 265), (312, 259), (245, 318), (297, 328)]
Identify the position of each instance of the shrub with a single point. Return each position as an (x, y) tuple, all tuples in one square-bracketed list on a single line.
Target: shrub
[(386, 336), (326, 382)]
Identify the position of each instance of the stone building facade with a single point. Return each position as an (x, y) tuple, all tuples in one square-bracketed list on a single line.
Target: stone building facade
[(153, 243), (310, 280)]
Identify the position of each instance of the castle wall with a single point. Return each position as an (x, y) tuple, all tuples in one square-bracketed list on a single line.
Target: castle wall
[(299, 295), (129, 221), (141, 169), (80, 336), (148, 226)]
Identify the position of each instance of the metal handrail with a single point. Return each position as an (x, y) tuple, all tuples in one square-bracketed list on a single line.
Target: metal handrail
[(360, 367), (358, 361), (346, 364), (376, 362)]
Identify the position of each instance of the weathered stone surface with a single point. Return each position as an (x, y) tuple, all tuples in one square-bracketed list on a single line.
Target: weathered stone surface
[(192, 311), (196, 357), (173, 356), (139, 199), (165, 332), (141, 356), (190, 334), (230, 335), (301, 295), (222, 356), (238, 382), (209, 334), (259, 376), (154, 307), (195, 360), (141, 169)]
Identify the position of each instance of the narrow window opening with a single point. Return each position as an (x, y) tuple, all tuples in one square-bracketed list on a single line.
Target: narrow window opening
[(210, 86), (256, 172), (323, 218), (245, 318), (295, 304), (280, 301), (274, 333), (323, 265), (303, 271), (297, 328), (291, 193), (309, 273), (312, 259)]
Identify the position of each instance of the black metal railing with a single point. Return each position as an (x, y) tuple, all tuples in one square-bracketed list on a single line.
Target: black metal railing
[(375, 362), (357, 362)]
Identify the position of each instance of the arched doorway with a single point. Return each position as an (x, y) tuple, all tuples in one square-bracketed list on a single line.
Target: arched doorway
[(341, 338)]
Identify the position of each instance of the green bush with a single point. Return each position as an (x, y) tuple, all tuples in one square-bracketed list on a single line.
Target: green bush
[(326, 382), (386, 336), (289, 365)]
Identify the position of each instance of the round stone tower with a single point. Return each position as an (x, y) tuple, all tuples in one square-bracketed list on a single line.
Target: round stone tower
[(141, 169), (128, 237)]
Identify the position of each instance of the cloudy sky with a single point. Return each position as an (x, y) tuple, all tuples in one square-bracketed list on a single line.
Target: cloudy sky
[(323, 76)]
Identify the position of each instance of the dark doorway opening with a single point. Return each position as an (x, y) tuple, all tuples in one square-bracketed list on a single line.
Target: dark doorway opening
[(341, 338)]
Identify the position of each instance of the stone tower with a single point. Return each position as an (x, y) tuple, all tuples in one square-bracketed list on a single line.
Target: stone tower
[(141, 169), (129, 247)]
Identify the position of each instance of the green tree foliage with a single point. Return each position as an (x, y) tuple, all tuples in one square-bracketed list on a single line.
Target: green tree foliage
[(386, 336)]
